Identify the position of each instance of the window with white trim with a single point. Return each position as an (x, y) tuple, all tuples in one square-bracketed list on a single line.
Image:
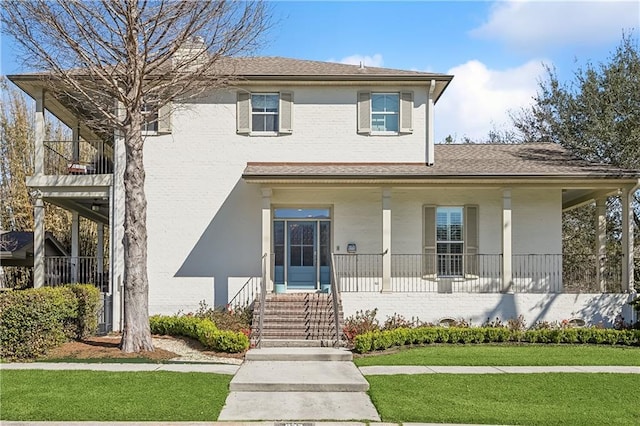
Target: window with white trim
[(150, 117), (385, 112), (451, 240), (264, 113), (388, 113)]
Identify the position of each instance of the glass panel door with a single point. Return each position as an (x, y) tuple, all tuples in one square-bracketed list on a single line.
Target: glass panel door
[(301, 271)]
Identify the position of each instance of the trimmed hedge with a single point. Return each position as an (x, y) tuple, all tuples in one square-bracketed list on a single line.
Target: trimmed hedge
[(88, 297), (202, 329), (379, 340)]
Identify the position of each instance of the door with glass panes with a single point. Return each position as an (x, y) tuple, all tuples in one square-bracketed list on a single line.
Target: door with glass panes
[(301, 246)]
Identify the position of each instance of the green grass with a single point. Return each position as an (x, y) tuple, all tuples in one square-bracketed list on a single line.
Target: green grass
[(34, 395), (529, 399), (507, 355)]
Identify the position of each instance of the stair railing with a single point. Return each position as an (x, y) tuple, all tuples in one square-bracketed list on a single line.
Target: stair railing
[(263, 300), (246, 295), (335, 296)]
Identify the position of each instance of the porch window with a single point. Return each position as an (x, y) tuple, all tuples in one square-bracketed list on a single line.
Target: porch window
[(450, 240), (450, 243)]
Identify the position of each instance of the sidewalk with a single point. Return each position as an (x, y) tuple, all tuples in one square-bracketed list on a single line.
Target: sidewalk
[(367, 371)]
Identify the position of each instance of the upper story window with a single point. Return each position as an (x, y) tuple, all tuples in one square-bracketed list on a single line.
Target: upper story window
[(150, 124), (261, 114), (264, 112), (385, 113), (157, 118)]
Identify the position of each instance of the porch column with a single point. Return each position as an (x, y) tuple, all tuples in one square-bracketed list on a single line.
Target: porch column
[(38, 241), (100, 256), (39, 132), (386, 240), (627, 239), (75, 246), (76, 142), (601, 241), (507, 272), (266, 234)]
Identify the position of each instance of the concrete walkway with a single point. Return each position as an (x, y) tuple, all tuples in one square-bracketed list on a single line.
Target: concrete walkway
[(298, 384)]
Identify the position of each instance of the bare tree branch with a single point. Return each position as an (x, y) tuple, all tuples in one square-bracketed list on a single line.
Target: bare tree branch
[(132, 51)]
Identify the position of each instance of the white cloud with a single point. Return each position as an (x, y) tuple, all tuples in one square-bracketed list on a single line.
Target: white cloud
[(369, 61), (479, 99), (533, 25)]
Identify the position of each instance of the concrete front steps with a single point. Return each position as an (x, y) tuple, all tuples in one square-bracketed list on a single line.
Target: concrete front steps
[(297, 320), (298, 384)]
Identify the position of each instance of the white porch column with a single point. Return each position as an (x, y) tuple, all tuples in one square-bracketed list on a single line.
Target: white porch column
[(76, 142), (100, 255), (601, 241), (39, 125), (75, 246), (38, 242), (386, 240), (429, 153), (507, 254), (266, 234), (627, 240)]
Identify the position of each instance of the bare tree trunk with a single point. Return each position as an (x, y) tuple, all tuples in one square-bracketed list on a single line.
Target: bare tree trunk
[(136, 335)]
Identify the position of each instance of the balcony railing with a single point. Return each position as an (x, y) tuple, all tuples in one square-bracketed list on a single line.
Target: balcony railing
[(479, 273), (85, 270), (77, 158)]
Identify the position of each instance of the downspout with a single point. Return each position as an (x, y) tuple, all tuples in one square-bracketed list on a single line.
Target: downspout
[(429, 157)]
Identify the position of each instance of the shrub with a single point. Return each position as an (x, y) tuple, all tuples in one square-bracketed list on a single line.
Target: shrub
[(202, 329), (36, 320), (88, 297), (361, 322), (227, 318)]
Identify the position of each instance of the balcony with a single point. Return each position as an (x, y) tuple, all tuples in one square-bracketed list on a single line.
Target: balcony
[(479, 273), (77, 158)]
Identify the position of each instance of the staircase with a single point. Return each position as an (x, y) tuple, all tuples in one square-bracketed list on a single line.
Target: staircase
[(296, 320)]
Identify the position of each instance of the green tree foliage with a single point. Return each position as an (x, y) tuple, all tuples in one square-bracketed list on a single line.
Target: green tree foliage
[(596, 116)]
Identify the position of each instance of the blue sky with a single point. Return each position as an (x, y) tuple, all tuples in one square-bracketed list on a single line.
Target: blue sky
[(495, 50)]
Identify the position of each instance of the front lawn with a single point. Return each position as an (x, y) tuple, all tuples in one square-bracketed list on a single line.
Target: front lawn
[(516, 399), (35, 395), (497, 355)]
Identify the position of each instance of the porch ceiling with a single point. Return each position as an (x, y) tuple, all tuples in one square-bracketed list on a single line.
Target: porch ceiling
[(95, 209)]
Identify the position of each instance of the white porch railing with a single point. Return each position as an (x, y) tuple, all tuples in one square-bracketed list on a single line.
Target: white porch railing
[(85, 270)]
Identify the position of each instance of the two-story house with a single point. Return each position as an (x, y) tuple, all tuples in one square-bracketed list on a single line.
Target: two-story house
[(304, 173)]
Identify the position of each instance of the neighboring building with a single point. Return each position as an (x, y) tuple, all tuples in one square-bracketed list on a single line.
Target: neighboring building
[(310, 164)]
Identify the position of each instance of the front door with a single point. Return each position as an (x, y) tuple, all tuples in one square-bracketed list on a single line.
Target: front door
[(302, 254)]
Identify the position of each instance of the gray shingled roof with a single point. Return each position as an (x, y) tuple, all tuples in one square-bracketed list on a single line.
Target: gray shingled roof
[(467, 161), (278, 66)]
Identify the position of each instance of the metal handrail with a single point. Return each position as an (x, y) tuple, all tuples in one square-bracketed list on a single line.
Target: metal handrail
[(263, 299), (240, 299), (335, 295)]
